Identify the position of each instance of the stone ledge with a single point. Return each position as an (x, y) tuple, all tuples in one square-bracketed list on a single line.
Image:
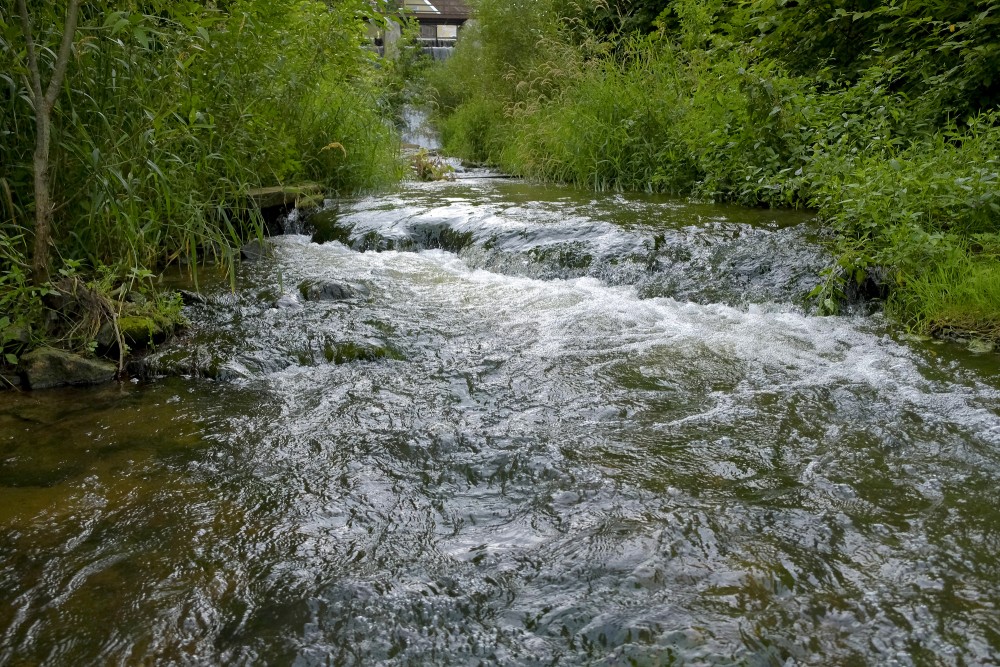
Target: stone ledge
[(47, 367)]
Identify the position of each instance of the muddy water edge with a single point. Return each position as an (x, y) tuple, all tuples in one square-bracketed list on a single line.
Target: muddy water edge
[(488, 422)]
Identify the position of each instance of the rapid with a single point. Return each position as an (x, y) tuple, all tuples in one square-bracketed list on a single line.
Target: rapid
[(537, 427)]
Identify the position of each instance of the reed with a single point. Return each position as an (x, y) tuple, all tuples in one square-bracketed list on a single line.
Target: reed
[(704, 102), (170, 113)]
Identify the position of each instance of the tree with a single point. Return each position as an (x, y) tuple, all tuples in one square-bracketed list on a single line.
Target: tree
[(43, 100)]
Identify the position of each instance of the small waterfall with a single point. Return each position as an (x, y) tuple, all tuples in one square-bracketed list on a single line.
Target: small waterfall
[(439, 52), (417, 130)]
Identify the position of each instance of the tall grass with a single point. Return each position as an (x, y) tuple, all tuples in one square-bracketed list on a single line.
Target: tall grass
[(160, 143), (170, 115), (702, 109), (928, 210)]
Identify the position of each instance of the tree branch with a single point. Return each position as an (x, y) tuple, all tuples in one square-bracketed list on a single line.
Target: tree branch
[(36, 74), (65, 50)]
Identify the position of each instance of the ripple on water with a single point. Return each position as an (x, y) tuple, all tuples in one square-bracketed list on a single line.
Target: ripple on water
[(568, 470)]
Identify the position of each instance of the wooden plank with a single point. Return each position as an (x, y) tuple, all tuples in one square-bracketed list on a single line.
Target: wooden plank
[(286, 195)]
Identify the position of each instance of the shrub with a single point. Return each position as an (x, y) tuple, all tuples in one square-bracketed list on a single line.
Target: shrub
[(710, 104), (172, 111)]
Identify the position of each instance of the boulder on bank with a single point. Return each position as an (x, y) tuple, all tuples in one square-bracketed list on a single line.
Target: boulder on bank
[(46, 367)]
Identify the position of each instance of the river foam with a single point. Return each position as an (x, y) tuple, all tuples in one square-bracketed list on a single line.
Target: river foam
[(517, 465)]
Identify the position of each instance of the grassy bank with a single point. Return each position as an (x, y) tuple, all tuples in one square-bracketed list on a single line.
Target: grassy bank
[(169, 113), (879, 115)]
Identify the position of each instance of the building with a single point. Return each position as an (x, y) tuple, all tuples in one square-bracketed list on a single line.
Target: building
[(440, 20)]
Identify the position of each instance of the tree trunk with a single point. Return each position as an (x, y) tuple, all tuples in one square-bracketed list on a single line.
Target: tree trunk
[(44, 103), (43, 199)]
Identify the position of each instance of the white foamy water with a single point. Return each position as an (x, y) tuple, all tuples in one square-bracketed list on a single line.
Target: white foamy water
[(539, 429)]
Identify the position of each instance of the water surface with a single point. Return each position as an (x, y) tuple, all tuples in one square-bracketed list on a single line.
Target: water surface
[(550, 429)]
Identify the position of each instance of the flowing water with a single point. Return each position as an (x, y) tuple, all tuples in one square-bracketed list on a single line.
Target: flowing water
[(546, 428)]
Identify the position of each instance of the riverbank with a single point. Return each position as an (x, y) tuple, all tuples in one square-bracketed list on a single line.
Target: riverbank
[(151, 154), (719, 104), (91, 328)]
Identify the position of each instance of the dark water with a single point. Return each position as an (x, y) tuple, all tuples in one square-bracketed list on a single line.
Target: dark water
[(547, 430)]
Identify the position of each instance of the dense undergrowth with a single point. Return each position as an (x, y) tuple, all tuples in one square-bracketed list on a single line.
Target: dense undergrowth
[(879, 114), (170, 112)]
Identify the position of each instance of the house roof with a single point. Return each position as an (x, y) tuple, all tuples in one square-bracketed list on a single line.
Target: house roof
[(438, 9)]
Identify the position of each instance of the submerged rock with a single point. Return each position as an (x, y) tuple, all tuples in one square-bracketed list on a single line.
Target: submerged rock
[(287, 302), (46, 367), (346, 352), (327, 290), (182, 361), (980, 346), (189, 298), (255, 251)]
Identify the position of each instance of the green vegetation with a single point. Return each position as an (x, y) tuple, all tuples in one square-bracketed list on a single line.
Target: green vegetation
[(169, 112), (429, 167), (879, 114)]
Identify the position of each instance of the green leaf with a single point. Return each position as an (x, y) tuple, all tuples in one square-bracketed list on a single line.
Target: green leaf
[(11, 359), (140, 36), (152, 165), (113, 19)]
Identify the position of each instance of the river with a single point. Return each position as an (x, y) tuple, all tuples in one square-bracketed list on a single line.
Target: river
[(547, 428)]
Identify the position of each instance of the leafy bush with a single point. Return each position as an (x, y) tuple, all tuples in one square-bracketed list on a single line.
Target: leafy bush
[(928, 211), (172, 111), (849, 107)]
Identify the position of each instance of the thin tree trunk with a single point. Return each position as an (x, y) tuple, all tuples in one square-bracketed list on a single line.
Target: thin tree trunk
[(44, 103), (43, 200)]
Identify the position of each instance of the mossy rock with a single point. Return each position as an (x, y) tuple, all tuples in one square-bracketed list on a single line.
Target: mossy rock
[(44, 368), (16, 335), (140, 331)]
